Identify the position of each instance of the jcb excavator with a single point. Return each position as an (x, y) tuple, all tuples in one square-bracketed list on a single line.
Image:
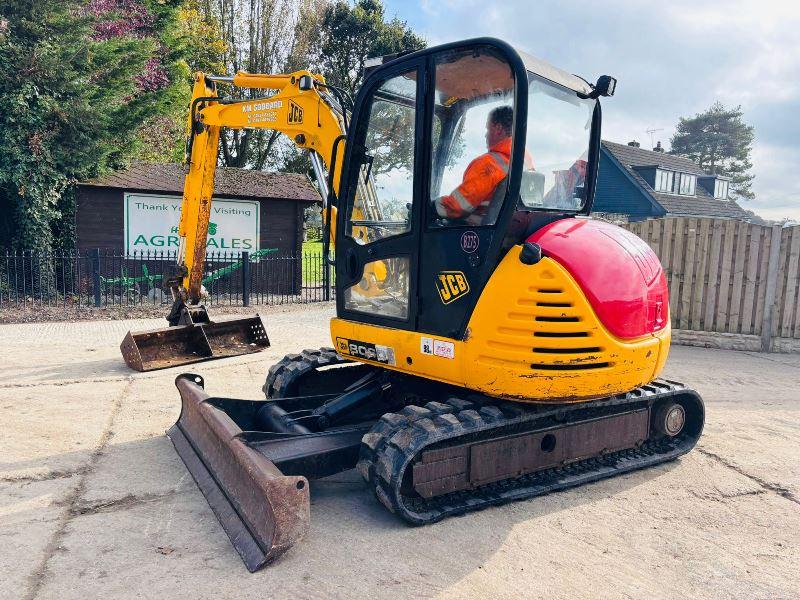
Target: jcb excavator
[(476, 360)]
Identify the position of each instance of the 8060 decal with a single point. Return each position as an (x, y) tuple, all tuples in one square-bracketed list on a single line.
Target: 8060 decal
[(365, 350)]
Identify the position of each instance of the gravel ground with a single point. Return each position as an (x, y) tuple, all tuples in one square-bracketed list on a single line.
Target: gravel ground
[(94, 502), (42, 314)]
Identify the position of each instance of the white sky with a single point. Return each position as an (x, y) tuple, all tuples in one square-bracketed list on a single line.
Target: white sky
[(672, 59)]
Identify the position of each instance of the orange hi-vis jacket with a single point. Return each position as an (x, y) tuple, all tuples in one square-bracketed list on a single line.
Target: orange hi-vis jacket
[(470, 200)]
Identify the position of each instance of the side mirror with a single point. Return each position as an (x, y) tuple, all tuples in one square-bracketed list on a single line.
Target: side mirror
[(605, 86)]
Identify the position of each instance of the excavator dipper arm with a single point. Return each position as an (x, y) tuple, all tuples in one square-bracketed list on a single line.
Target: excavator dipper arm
[(300, 108)]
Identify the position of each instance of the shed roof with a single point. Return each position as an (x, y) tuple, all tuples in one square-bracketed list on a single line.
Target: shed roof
[(228, 182)]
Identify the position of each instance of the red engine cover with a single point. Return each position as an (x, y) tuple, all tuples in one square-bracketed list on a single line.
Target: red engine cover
[(619, 273)]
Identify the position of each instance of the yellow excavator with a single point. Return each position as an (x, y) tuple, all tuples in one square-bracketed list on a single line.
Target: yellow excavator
[(482, 354)]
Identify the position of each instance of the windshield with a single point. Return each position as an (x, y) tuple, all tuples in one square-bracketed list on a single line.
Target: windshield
[(557, 146)]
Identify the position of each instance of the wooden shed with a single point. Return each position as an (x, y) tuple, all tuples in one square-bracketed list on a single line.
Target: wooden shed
[(139, 209)]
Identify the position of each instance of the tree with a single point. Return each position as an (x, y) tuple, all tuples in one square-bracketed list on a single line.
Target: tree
[(195, 40), (259, 36), (78, 82), (275, 36), (720, 142), (349, 35), (59, 88), (337, 39)]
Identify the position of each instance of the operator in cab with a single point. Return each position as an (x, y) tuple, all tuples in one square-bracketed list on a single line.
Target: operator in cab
[(474, 199)]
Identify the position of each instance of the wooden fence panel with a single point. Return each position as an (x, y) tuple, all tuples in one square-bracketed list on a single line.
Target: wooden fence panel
[(674, 281), (713, 282), (761, 278), (786, 301), (717, 273), (697, 295), (737, 286), (724, 299), (755, 253), (688, 267)]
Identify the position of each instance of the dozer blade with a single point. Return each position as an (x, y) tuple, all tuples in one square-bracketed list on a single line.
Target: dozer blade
[(263, 511), (185, 344)]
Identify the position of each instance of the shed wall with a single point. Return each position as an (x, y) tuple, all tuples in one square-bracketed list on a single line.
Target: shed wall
[(100, 221)]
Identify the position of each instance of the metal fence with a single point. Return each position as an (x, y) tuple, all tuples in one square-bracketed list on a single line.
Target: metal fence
[(114, 278)]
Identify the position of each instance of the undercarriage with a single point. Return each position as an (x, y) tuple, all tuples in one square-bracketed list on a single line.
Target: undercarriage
[(427, 450)]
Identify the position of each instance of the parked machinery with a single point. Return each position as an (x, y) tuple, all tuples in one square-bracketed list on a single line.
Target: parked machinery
[(476, 360)]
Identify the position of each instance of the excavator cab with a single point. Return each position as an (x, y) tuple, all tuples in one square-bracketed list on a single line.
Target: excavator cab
[(421, 128), (490, 342)]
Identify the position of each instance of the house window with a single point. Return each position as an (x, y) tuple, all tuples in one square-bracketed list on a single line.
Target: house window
[(686, 184), (721, 189), (664, 180)]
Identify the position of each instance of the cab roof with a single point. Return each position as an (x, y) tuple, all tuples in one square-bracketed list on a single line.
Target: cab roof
[(554, 74), (530, 62)]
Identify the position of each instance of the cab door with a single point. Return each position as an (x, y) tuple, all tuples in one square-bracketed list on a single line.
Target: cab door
[(379, 228), (471, 85)]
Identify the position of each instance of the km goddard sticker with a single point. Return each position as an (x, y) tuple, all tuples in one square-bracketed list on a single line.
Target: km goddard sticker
[(365, 350)]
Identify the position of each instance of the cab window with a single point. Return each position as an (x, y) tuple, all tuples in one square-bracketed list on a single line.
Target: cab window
[(558, 177), (471, 137), (381, 205)]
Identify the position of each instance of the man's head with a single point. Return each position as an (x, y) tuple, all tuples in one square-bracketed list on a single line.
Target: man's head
[(498, 125)]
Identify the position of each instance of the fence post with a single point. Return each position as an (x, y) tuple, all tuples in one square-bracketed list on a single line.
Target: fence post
[(96, 276), (326, 278), (771, 289), (245, 279)]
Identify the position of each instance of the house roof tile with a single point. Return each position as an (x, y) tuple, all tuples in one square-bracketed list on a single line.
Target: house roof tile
[(701, 205), (639, 157)]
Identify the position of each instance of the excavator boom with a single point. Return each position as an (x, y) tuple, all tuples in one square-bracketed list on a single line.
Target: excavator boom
[(297, 105)]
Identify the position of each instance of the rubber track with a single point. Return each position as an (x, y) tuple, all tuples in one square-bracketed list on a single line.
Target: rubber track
[(292, 367), (398, 438)]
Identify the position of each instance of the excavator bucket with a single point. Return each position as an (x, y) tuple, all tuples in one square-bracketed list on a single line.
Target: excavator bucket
[(263, 511), (185, 344)]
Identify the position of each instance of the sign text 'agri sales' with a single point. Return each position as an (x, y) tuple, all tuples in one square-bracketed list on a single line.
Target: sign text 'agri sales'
[(151, 223)]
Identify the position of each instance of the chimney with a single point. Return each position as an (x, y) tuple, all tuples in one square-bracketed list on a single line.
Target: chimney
[(658, 147), (634, 143)]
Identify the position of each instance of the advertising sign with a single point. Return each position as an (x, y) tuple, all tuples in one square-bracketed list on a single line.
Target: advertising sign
[(151, 223)]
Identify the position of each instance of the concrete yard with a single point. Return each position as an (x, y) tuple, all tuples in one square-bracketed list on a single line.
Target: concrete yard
[(95, 503)]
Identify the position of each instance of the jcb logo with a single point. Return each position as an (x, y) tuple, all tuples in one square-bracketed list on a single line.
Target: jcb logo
[(452, 285), (343, 346), (295, 113)]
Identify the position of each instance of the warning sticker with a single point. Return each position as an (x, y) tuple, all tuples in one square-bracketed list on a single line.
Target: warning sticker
[(426, 345), (444, 349), (434, 347)]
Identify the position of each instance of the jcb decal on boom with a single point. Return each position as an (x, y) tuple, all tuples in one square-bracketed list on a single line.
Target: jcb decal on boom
[(451, 285), (295, 113), (381, 354)]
